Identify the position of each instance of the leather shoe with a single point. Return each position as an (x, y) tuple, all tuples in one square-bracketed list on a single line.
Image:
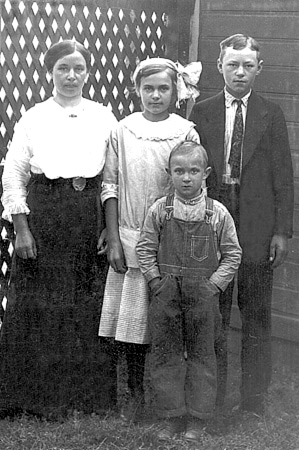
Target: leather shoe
[(171, 427), (194, 430)]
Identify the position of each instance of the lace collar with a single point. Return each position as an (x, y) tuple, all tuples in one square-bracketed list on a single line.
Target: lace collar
[(169, 128)]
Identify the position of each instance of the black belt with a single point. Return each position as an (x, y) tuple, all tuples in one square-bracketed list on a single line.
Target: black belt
[(40, 178)]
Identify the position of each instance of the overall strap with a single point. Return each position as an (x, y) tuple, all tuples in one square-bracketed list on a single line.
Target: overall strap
[(209, 209), (169, 206)]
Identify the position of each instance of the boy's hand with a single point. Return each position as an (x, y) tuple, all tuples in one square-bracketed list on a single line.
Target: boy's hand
[(278, 250), (154, 283)]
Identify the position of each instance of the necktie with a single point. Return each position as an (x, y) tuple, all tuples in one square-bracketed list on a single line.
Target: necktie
[(237, 140)]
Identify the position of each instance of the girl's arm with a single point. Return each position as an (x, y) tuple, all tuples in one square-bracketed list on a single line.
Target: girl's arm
[(148, 244), (115, 253)]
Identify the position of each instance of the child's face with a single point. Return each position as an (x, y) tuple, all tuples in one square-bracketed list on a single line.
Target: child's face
[(187, 173), (156, 92), (239, 69)]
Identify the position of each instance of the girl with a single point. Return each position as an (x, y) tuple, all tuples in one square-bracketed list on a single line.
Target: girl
[(134, 177)]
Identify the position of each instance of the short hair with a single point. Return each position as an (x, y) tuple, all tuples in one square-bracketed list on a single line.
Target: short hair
[(186, 148), (238, 42), (65, 48)]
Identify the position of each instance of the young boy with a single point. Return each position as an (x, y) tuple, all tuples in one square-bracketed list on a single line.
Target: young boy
[(188, 252)]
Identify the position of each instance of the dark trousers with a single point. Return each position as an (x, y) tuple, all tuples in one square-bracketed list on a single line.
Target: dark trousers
[(254, 300), (225, 306)]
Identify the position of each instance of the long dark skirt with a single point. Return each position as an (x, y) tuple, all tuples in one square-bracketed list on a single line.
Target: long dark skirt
[(50, 357)]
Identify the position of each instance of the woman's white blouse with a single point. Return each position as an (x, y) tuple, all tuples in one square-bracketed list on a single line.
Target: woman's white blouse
[(56, 141)]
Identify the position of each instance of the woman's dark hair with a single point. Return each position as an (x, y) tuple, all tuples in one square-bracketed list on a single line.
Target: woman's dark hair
[(64, 48)]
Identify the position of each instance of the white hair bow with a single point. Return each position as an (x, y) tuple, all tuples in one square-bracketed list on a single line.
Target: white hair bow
[(187, 80)]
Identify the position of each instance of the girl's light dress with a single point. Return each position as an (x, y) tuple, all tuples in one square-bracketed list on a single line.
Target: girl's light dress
[(135, 173)]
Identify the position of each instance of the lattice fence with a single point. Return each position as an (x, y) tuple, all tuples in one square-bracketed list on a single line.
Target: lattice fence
[(118, 33)]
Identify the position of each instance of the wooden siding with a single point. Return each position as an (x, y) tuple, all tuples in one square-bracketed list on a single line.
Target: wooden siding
[(275, 24)]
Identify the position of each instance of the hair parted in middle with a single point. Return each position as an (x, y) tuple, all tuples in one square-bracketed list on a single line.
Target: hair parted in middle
[(151, 66), (65, 48)]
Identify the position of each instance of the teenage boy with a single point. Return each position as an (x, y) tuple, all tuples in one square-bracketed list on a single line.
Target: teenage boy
[(188, 252), (247, 143)]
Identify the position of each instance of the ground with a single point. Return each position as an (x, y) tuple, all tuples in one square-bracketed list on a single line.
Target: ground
[(277, 429)]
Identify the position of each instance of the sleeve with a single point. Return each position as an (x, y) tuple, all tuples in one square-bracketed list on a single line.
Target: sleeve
[(283, 179), (16, 173), (148, 244), (194, 117), (110, 174), (112, 120), (230, 251), (193, 136)]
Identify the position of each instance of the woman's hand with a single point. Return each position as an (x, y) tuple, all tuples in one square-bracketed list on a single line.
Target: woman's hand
[(25, 244), (116, 257)]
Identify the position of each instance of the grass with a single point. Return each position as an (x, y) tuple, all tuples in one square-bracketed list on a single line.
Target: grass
[(277, 429)]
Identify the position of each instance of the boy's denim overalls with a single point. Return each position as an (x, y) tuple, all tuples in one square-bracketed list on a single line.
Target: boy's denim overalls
[(184, 318)]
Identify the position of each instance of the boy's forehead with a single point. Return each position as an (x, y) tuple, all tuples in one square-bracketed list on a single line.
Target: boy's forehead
[(244, 53), (195, 157)]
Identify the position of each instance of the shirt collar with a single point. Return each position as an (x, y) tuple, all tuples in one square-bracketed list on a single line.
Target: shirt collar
[(191, 201), (230, 98)]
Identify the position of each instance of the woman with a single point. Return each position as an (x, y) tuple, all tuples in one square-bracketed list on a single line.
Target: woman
[(49, 356)]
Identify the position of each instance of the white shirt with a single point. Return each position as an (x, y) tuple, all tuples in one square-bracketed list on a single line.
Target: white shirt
[(56, 141)]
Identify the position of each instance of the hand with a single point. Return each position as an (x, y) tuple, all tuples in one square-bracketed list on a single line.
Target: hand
[(154, 283), (102, 243), (278, 250), (214, 286), (25, 244), (116, 257)]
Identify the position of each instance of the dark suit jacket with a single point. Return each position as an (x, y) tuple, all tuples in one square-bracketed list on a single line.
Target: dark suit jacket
[(266, 190)]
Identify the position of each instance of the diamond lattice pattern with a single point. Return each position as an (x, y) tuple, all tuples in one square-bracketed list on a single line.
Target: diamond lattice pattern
[(117, 36)]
